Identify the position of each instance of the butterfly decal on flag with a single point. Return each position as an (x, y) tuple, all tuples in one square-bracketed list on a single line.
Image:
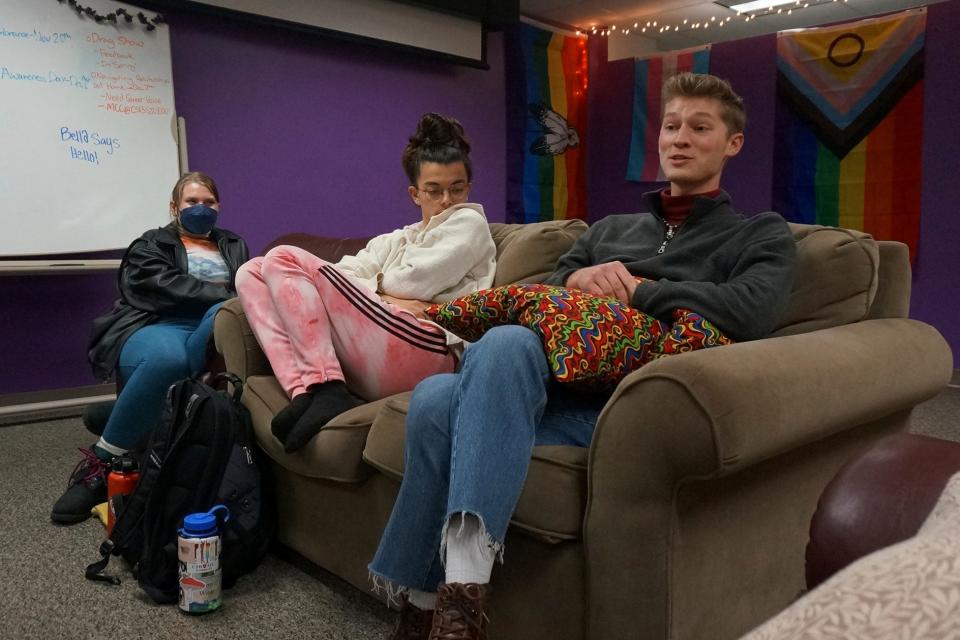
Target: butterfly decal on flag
[(557, 132)]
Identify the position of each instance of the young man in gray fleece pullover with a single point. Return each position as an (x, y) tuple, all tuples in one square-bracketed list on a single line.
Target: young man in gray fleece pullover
[(470, 435)]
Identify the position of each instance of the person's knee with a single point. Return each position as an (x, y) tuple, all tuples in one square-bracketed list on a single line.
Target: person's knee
[(511, 342), (206, 323), (429, 409), (248, 274), (164, 364), (510, 354), (279, 260)]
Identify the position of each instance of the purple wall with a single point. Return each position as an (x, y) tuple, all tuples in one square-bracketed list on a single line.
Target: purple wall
[(750, 67), (609, 112), (301, 133), (935, 296), (45, 322), (305, 134)]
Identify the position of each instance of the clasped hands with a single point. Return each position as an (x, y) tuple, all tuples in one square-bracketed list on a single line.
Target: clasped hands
[(607, 279), (415, 307)]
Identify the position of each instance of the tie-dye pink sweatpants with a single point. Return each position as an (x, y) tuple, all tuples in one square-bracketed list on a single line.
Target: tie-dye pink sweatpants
[(315, 324)]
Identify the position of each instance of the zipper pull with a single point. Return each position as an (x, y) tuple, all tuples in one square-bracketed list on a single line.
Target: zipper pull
[(671, 231)]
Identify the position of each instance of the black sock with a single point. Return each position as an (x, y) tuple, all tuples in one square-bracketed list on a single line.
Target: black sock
[(329, 400), (288, 416)]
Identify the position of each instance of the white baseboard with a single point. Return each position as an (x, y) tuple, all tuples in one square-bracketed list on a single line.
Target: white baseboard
[(53, 402)]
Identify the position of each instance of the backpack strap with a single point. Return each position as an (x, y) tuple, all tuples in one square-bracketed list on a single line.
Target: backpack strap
[(95, 570), (234, 380)]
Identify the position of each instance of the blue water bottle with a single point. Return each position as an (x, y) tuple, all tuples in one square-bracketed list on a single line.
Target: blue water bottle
[(198, 549)]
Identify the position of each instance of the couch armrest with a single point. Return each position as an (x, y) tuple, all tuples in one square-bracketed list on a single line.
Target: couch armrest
[(712, 413), (762, 398), (235, 341)]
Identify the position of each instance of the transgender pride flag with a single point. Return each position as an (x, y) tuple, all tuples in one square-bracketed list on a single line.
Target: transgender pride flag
[(649, 76)]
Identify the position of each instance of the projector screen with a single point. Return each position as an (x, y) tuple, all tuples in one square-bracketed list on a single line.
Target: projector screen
[(458, 38)]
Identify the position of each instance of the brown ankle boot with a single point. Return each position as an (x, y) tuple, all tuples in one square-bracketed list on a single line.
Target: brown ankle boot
[(412, 623), (461, 612)]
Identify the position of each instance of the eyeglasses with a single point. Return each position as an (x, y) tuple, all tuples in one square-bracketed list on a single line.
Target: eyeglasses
[(455, 192)]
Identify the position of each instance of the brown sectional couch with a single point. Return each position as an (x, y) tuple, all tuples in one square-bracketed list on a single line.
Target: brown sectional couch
[(687, 517)]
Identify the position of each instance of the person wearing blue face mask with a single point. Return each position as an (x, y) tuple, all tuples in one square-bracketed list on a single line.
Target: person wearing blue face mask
[(171, 280)]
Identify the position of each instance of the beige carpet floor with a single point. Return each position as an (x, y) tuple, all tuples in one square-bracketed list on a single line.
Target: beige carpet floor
[(44, 594)]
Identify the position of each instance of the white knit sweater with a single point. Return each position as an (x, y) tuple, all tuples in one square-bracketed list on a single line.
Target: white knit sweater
[(452, 255)]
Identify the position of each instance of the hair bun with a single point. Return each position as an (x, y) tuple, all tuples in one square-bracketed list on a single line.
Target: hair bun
[(439, 139), (435, 129)]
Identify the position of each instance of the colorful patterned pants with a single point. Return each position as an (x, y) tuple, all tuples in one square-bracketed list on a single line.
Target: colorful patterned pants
[(315, 324)]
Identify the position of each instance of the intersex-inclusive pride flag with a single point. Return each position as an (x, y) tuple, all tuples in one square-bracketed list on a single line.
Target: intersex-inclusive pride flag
[(648, 78), (551, 122), (849, 126)]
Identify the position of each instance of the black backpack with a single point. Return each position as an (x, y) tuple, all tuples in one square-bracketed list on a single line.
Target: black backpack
[(202, 453)]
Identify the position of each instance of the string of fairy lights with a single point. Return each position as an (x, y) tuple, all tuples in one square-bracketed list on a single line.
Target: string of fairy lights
[(657, 26)]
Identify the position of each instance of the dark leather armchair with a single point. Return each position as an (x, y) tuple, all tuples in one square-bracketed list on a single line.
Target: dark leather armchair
[(878, 499), (883, 560)]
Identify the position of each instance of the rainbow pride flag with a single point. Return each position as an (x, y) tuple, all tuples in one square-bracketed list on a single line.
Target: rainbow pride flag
[(849, 126), (648, 78), (553, 109)]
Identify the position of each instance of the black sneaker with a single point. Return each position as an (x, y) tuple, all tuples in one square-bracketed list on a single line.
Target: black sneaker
[(86, 489)]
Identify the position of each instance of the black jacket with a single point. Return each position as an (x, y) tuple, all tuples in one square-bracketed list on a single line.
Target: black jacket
[(154, 283)]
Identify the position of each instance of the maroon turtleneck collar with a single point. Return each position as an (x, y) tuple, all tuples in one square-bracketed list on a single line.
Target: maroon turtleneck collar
[(677, 208)]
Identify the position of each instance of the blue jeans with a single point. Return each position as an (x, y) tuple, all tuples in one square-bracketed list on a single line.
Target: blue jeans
[(152, 359), (469, 439)]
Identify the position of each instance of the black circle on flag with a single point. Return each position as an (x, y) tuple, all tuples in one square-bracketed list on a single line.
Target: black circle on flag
[(854, 58)]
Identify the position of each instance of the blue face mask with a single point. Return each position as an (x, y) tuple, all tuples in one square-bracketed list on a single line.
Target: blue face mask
[(198, 219)]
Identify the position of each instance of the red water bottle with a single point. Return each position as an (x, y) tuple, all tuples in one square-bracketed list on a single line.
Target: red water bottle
[(121, 480)]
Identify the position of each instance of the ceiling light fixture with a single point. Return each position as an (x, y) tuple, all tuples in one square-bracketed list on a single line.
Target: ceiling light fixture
[(743, 7)]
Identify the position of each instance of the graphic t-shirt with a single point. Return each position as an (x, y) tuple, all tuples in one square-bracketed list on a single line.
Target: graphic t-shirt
[(204, 261)]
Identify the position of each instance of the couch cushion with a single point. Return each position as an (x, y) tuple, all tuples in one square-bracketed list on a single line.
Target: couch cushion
[(525, 252), (334, 454), (836, 279), (554, 498), (529, 252), (330, 249)]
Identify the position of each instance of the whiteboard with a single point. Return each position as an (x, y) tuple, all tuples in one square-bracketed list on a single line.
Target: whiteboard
[(88, 127)]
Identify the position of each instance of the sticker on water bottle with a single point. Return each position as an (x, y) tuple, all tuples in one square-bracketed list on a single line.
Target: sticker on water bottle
[(200, 554), (200, 579)]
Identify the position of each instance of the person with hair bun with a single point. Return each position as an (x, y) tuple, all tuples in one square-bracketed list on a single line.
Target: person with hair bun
[(337, 335), (172, 280)]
